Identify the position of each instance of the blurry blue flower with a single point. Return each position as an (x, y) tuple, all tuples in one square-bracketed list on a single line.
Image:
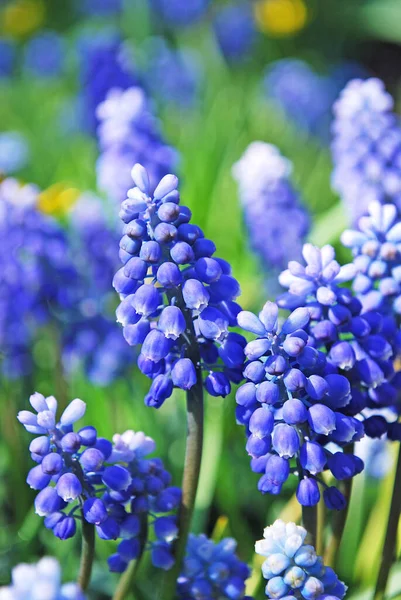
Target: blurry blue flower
[(292, 568), (104, 66), (37, 280), (40, 580), (366, 147), (115, 486), (179, 13), (14, 152), (128, 132), (7, 57), (172, 75), (235, 31), (177, 299), (276, 221), (44, 54), (376, 455), (212, 571), (304, 96)]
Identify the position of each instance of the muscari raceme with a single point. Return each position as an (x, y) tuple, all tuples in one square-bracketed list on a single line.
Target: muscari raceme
[(366, 147), (114, 486), (292, 568), (40, 581), (177, 300), (270, 203), (128, 133)]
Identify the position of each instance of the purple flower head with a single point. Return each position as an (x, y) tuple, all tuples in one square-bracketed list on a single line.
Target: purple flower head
[(212, 570), (116, 486), (366, 147), (183, 297), (270, 204), (292, 567)]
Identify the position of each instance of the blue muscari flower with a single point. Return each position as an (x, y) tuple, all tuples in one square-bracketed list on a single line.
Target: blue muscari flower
[(366, 147), (14, 152), (287, 405), (235, 31), (128, 132), (40, 580), (179, 13), (37, 278), (212, 571), (270, 204), (104, 66), (376, 247), (177, 300), (172, 75), (292, 568), (115, 485), (44, 54), (360, 345), (7, 57)]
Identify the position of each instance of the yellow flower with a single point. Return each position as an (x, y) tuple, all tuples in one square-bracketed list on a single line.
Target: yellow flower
[(57, 199), (22, 17), (280, 17)]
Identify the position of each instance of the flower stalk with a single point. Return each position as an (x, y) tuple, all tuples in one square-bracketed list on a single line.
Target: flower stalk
[(87, 554)]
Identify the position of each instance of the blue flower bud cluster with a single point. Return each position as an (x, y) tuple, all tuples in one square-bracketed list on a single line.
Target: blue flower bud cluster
[(234, 27), (128, 133), (270, 202), (376, 247), (40, 580), (179, 13), (366, 147), (290, 407), (177, 300), (37, 277), (358, 345), (292, 568), (212, 571), (104, 66), (113, 485), (91, 336)]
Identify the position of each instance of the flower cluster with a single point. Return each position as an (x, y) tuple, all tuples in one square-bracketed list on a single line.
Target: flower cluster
[(179, 13), (360, 345), (128, 133), (14, 152), (290, 407), (104, 67), (37, 276), (177, 300), (172, 75), (376, 247), (270, 204), (42, 580), (292, 568), (7, 57), (212, 571), (366, 147), (235, 31), (114, 485)]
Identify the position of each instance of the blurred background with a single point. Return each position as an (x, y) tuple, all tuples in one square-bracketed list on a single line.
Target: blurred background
[(210, 78)]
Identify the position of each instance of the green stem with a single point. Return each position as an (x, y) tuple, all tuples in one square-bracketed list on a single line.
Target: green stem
[(87, 554), (339, 521), (391, 534), (193, 457), (126, 582), (309, 521)]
